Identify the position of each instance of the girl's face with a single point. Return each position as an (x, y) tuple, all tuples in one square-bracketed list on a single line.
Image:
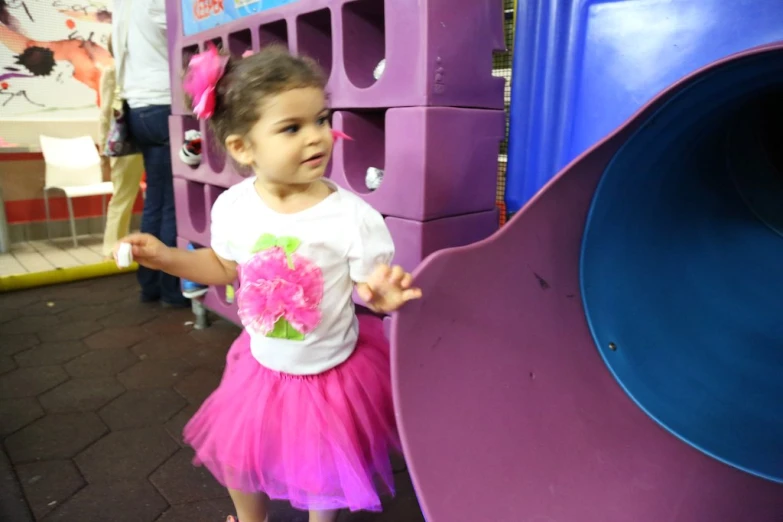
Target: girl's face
[(292, 142)]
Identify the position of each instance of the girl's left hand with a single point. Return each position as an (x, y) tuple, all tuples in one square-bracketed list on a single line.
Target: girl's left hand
[(387, 289)]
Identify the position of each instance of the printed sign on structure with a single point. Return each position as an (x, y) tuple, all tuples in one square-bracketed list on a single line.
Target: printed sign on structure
[(200, 15)]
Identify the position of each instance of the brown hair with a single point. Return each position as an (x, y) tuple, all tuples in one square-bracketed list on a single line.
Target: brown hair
[(245, 83)]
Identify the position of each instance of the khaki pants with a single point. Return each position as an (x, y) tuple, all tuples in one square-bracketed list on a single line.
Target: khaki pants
[(126, 173)]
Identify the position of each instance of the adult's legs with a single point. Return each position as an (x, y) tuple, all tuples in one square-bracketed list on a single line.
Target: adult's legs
[(126, 173), (150, 129)]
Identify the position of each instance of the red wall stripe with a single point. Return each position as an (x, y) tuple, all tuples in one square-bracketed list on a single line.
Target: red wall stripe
[(20, 156), (33, 210)]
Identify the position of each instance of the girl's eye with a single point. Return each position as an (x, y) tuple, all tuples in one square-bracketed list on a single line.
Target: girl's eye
[(291, 129), (324, 120)]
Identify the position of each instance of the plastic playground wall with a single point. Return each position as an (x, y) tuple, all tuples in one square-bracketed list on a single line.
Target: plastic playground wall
[(433, 121), (612, 354)]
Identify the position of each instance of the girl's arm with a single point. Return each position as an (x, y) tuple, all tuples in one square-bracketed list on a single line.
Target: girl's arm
[(383, 288), (202, 265)]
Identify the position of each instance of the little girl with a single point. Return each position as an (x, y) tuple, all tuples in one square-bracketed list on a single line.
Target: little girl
[(304, 409)]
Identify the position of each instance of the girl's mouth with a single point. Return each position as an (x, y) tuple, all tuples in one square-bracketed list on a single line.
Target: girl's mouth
[(315, 160)]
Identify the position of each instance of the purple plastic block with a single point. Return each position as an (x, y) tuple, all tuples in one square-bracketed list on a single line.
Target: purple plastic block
[(437, 52), (444, 161), (415, 240), (495, 371), (193, 203), (437, 161), (216, 167), (215, 300)]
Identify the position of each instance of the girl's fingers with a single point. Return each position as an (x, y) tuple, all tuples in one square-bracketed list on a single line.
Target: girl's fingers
[(397, 273), (134, 239), (381, 274), (365, 292), (411, 294)]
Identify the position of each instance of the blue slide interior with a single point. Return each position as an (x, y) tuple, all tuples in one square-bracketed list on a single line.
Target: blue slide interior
[(682, 265), (590, 64)]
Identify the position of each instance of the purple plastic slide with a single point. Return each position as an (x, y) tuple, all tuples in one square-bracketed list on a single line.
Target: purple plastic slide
[(508, 409)]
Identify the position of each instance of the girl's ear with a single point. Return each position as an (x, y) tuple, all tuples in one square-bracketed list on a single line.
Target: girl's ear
[(239, 149)]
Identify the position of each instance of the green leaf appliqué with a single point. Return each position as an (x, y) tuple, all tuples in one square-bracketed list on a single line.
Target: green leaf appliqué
[(287, 243), (284, 330)]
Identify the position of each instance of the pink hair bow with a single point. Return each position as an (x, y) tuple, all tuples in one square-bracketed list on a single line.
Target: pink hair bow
[(204, 71), (340, 134)]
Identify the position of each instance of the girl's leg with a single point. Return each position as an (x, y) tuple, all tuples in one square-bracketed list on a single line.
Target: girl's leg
[(322, 516), (251, 507)]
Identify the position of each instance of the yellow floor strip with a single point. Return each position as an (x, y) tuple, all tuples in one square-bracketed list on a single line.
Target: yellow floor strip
[(62, 275)]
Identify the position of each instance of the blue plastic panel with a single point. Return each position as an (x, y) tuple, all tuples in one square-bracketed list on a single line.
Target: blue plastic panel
[(199, 15), (582, 67), (681, 265)]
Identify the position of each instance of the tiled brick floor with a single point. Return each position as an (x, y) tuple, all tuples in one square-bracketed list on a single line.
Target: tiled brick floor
[(40, 256), (95, 388)]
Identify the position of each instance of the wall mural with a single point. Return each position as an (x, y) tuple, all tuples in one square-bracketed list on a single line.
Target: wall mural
[(51, 56)]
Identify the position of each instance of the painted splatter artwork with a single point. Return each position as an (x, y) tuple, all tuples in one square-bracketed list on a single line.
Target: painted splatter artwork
[(51, 56)]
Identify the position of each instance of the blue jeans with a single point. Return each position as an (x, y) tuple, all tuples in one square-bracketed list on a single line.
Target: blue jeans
[(149, 128)]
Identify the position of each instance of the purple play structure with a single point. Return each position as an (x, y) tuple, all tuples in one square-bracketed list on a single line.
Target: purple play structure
[(432, 121), (508, 408), (437, 52)]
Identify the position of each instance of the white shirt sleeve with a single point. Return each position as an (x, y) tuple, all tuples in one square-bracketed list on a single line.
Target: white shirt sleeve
[(372, 246), (220, 227), (157, 11)]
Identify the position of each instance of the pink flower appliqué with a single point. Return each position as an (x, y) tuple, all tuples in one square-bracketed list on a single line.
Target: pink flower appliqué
[(280, 294)]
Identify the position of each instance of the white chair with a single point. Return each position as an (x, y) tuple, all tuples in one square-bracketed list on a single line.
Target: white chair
[(73, 166)]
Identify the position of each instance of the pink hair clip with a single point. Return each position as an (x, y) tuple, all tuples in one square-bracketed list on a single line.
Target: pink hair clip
[(340, 134), (204, 71)]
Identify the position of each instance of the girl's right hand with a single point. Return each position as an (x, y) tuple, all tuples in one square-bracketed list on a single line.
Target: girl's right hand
[(147, 250)]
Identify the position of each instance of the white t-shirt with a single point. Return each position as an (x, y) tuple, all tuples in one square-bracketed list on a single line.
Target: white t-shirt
[(296, 273), (145, 79)]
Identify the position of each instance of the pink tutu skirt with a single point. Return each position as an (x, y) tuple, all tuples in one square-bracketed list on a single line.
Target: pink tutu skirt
[(321, 441)]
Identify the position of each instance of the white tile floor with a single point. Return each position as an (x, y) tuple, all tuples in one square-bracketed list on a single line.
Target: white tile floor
[(41, 256)]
